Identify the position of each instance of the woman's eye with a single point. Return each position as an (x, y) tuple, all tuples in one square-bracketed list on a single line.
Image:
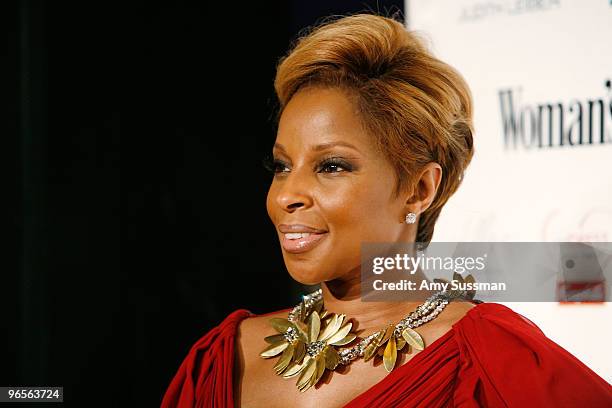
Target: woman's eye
[(280, 167), (329, 166), (275, 165), (334, 166)]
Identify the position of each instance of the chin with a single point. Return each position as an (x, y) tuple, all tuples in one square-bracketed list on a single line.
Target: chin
[(306, 277), (304, 274)]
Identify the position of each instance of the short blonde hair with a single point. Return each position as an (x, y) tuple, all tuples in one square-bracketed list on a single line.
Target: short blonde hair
[(418, 108)]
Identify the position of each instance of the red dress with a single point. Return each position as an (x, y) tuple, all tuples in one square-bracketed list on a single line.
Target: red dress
[(491, 357)]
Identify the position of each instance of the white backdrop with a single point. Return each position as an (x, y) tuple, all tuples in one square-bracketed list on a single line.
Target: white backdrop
[(540, 75)]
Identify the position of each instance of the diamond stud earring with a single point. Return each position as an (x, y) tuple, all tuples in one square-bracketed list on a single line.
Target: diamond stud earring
[(410, 218)]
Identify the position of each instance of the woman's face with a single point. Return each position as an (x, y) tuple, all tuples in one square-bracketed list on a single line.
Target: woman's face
[(332, 189)]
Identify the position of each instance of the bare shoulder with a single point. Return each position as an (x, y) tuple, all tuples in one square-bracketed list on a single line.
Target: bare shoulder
[(461, 307), (455, 311), (452, 313), (250, 337), (251, 331), (248, 365)]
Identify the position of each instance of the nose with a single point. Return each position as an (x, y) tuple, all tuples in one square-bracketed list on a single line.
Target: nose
[(294, 192)]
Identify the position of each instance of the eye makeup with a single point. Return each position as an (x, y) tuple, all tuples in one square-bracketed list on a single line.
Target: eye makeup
[(330, 164)]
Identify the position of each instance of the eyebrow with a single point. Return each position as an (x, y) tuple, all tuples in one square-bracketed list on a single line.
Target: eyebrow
[(322, 146)]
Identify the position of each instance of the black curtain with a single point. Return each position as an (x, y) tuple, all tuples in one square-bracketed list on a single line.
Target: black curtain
[(132, 148)]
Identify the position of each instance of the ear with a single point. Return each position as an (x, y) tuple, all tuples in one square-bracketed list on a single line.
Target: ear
[(426, 189)]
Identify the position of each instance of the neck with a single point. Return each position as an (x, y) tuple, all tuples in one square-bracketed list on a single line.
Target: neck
[(344, 296)]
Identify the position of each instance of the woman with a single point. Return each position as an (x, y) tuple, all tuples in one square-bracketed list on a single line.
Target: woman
[(374, 135)]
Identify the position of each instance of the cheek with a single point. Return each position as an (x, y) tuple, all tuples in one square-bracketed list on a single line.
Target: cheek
[(270, 202), (354, 213), (361, 212)]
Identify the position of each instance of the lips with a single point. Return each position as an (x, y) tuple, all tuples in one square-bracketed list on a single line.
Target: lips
[(298, 238), (299, 228)]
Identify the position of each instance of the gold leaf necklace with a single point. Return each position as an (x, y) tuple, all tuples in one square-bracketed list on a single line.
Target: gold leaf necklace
[(309, 339)]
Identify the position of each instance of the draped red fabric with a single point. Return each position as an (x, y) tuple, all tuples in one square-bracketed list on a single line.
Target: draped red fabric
[(204, 379), (492, 357)]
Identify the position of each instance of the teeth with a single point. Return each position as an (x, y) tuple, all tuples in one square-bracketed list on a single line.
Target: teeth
[(297, 235)]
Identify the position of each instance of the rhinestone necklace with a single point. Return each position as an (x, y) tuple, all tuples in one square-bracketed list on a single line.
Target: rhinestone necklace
[(309, 339)]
